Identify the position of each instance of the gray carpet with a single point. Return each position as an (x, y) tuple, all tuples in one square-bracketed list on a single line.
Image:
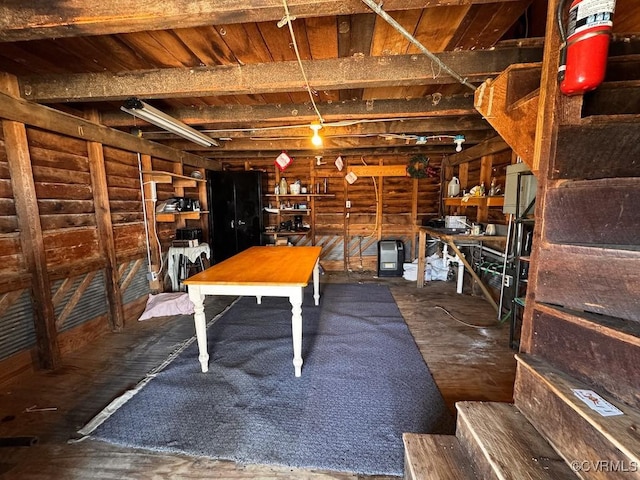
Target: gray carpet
[(363, 384)]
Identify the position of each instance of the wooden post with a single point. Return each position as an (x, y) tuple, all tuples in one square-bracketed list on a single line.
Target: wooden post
[(345, 219), (379, 209), (414, 217), (486, 163), (179, 192), (105, 228), (553, 109), (31, 239), (204, 207)]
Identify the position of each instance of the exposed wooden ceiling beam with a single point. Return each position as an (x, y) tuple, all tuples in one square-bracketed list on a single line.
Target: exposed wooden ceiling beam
[(22, 111), (431, 105), (39, 19), (330, 143), (331, 153), (427, 127), (488, 147), (275, 77)]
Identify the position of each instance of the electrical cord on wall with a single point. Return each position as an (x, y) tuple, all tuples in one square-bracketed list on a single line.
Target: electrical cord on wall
[(146, 227)]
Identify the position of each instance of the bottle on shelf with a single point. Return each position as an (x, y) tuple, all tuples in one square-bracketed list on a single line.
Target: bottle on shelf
[(493, 189), (283, 186)]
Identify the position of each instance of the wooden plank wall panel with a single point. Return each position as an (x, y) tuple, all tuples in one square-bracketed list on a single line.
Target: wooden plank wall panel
[(573, 347), (125, 201), (595, 280), (129, 240), (61, 176), (600, 212), (123, 185), (396, 195)]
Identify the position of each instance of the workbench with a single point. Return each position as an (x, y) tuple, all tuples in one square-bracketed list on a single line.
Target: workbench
[(451, 240)]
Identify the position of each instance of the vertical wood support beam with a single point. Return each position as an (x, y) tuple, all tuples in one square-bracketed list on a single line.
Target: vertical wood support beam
[(345, 219), (105, 228), (312, 200), (31, 240), (486, 163), (179, 192), (152, 234), (553, 110), (204, 207), (414, 218), (463, 176), (379, 209)]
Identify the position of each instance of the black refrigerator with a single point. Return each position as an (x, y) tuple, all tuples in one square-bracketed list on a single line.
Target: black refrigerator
[(235, 206)]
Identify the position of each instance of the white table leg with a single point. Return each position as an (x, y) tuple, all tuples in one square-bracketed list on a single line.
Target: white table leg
[(259, 299), (201, 325), (316, 282), (296, 329)]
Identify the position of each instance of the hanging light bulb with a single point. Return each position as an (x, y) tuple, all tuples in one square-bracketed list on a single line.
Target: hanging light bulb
[(316, 139), (458, 140)]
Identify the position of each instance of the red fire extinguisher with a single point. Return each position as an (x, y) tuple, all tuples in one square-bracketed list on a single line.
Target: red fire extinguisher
[(583, 59)]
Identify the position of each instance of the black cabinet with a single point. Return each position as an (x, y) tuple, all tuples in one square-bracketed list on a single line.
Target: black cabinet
[(235, 205)]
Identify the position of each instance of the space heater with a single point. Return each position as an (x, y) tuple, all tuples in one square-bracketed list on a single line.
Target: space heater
[(390, 258)]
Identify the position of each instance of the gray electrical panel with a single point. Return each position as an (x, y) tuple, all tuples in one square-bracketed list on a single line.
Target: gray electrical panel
[(528, 187)]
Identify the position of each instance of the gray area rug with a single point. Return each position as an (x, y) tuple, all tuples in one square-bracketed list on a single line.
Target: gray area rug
[(363, 384)]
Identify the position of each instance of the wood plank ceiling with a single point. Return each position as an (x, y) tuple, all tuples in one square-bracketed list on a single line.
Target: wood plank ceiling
[(227, 68)]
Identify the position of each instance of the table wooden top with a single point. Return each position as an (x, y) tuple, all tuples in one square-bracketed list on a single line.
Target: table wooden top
[(278, 266), (462, 237)]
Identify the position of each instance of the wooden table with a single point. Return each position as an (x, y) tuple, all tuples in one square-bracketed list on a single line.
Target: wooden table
[(450, 240), (259, 272)]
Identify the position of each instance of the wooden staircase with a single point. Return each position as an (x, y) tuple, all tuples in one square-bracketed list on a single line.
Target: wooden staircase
[(550, 434), (581, 326)]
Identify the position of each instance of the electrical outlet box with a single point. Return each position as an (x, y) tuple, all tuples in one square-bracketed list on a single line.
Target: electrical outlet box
[(348, 203)]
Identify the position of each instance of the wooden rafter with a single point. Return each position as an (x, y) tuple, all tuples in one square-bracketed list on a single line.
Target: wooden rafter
[(437, 125), (29, 113), (436, 105), (488, 147), (46, 19), (333, 143), (274, 77)]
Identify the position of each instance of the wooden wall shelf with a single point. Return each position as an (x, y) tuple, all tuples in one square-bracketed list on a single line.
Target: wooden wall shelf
[(289, 211), (301, 195), (173, 178), (173, 216), (474, 202)]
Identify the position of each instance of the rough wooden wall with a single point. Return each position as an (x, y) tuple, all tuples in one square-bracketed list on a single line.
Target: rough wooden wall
[(74, 252)]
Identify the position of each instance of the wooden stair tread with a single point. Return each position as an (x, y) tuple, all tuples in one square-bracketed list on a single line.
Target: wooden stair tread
[(620, 430), (438, 457), (499, 436)]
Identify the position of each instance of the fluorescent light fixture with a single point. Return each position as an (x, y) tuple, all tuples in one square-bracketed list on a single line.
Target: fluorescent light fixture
[(140, 109)]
